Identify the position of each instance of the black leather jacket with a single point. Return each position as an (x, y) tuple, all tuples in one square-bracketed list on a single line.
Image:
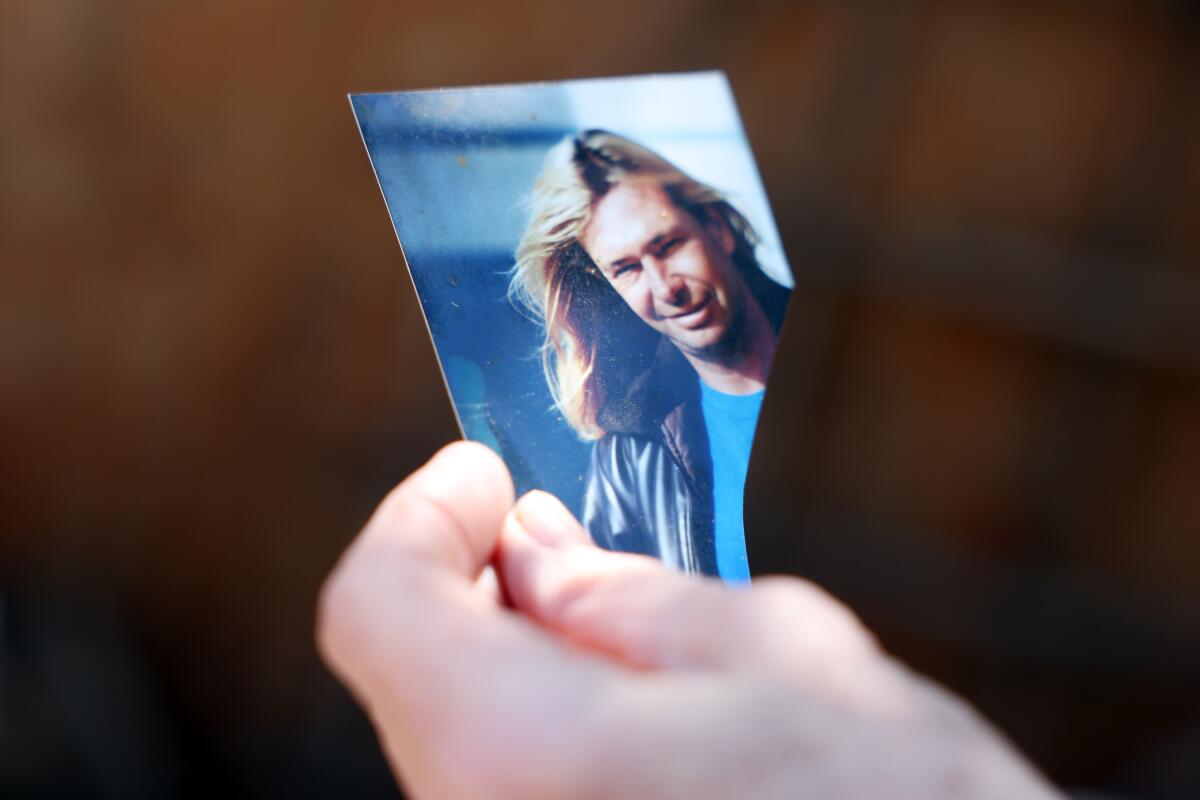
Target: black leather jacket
[(649, 487), (650, 484)]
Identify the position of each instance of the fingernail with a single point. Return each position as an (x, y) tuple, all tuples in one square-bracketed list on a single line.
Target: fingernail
[(545, 519)]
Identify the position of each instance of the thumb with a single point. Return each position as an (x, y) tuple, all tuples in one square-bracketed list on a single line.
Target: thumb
[(644, 615), (630, 607)]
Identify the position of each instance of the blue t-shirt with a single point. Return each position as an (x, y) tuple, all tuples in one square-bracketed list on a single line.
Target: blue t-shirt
[(730, 420)]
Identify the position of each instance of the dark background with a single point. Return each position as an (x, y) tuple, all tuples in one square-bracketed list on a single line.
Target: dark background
[(983, 430)]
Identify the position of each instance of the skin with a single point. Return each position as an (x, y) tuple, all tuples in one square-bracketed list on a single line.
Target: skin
[(500, 654), (677, 274)]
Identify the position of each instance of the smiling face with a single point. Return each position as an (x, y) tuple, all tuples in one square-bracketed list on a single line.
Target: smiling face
[(674, 271)]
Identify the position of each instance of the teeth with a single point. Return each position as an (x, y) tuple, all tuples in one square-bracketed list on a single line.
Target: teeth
[(692, 310)]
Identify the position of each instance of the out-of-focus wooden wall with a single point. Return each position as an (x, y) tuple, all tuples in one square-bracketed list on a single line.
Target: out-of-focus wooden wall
[(984, 431)]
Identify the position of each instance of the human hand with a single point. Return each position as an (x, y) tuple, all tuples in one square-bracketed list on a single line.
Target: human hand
[(575, 672)]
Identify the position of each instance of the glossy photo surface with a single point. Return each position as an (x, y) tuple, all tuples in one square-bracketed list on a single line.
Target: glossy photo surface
[(604, 285)]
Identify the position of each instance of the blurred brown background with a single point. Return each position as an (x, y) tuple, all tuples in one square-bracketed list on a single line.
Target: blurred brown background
[(984, 431)]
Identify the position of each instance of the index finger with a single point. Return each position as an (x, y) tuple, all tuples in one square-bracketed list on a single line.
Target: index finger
[(441, 667), (405, 579), (446, 514)]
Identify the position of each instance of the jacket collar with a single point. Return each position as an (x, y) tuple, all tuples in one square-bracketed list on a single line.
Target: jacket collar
[(664, 401)]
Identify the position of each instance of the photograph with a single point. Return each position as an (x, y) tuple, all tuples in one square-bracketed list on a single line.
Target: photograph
[(604, 285), (686, 401)]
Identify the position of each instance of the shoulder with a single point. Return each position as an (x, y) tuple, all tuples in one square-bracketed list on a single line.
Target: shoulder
[(639, 403), (620, 457)]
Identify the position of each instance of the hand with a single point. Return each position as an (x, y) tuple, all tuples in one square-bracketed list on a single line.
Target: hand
[(574, 672)]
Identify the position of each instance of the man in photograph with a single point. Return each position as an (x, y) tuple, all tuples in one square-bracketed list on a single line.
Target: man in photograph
[(660, 330)]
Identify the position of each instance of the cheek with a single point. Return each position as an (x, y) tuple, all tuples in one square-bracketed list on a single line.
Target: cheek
[(637, 297), (698, 263), (719, 273)]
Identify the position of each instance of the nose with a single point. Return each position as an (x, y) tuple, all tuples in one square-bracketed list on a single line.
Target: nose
[(665, 286)]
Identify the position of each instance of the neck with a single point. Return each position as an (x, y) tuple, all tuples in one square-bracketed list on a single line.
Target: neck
[(746, 370)]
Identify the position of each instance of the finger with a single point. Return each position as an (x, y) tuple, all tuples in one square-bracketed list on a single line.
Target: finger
[(439, 664), (635, 609), (447, 513), (546, 519), (487, 585), (423, 548), (629, 607)]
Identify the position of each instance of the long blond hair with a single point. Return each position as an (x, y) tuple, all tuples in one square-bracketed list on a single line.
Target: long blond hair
[(556, 282)]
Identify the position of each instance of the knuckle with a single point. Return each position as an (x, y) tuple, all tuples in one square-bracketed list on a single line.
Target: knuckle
[(344, 609), (806, 609), (574, 599)]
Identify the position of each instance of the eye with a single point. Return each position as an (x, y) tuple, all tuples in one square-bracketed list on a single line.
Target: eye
[(625, 268), (670, 246)]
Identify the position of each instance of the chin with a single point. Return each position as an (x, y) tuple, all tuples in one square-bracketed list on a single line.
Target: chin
[(719, 342), (707, 344)]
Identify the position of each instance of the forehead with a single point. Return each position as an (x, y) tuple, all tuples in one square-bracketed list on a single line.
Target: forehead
[(627, 218)]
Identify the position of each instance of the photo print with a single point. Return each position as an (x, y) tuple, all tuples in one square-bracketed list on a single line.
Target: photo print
[(604, 285)]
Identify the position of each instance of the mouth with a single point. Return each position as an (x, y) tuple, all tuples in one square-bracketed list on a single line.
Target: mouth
[(696, 316)]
